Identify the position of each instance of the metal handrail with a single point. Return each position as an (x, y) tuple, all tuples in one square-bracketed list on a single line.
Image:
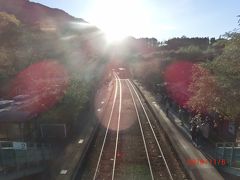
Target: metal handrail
[(227, 144)]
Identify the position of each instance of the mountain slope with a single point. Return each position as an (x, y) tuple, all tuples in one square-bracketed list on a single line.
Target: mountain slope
[(32, 13)]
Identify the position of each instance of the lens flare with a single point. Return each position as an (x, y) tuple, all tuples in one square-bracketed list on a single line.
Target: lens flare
[(178, 77), (44, 83)]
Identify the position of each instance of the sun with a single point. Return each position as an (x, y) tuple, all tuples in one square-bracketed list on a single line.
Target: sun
[(119, 19), (114, 31), (113, 35)]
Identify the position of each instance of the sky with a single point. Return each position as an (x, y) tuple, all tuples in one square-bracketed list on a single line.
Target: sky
[(162, 19)]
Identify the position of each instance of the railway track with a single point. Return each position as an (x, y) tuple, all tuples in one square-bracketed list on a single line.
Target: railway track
[(135, 152), (110, 140), (158, 165)]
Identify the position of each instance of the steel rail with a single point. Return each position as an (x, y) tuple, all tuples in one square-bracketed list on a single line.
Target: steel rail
[(142, 133), (154, 134), (107, 129), (118, 125)]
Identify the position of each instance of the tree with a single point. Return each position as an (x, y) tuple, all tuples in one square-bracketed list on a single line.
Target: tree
[(9, 26), (7, 22), (176, 43), (212, 40), (204, 91), (6, 64), (215, 86), (190, 53), (73, 102)]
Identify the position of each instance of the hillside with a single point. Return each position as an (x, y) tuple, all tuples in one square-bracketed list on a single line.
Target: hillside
[(36, 14)]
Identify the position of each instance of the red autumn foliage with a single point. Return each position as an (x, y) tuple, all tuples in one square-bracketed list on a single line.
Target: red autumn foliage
[(44, 83)]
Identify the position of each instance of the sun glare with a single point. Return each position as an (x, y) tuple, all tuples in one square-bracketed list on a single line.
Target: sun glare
[(113, 35), (119, 19)]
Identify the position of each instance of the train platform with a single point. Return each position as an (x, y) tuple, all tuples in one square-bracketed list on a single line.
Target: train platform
[(197, 165), (67, 165)]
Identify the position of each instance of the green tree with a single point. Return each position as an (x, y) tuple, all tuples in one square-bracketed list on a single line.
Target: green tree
[(192, 52), (9, 27), (73, 102)]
